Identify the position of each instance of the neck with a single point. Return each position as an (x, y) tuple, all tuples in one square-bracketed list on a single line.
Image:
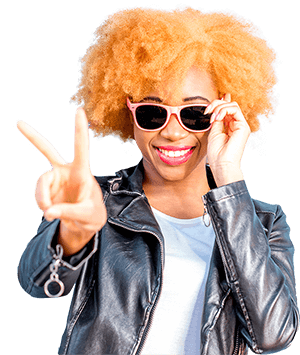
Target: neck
[(196, 180), (177, 198)]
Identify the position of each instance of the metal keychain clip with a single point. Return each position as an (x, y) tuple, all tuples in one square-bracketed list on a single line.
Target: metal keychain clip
[(54, 277)]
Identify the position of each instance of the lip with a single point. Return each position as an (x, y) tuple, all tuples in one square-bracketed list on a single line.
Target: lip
[(175, 148), (175, 160)]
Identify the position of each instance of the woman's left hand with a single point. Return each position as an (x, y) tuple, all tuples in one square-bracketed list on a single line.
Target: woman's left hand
[(227, 140)]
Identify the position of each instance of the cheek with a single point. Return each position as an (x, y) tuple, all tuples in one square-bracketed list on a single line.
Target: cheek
[(138, 137), (142, 140), (203, 140)]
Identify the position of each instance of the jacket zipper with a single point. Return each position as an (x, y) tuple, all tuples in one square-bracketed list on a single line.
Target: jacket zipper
[(150, 321), (206, 212), (237, 342), (140, 347)]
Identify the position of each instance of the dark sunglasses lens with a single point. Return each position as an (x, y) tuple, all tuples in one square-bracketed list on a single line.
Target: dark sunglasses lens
[(150, 117), (193, 118)]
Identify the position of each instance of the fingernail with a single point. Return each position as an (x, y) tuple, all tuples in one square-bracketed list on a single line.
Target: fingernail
[(207, 110)]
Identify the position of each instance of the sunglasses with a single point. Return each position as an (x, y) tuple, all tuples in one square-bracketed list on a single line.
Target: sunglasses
[(154, 117)]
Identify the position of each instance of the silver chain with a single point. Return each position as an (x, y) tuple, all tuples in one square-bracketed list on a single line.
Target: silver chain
[(54, 277)]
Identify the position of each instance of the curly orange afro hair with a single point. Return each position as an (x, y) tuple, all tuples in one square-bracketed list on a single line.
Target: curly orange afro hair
[(134, 50)]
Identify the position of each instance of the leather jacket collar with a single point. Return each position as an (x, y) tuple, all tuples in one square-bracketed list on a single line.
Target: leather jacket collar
[(132, 179)]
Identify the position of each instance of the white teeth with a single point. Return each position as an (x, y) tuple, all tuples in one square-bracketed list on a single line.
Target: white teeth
[(174, 153)]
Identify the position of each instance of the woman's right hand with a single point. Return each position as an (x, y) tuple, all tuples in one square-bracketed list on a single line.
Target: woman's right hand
[(69, 192)]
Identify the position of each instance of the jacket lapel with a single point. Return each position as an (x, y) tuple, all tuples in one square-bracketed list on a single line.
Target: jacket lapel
[(137, 215)]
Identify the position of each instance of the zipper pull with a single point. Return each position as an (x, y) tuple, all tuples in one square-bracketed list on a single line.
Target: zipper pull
[(206, 217), (54, 277)]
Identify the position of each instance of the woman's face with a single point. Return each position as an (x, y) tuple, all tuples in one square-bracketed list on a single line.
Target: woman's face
[(157, 147)]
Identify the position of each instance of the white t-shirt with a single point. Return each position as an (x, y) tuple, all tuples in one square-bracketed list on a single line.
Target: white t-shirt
[(177, 318)]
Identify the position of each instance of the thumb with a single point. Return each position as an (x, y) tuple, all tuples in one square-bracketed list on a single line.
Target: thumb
[(70, 211), (52, 213), (80, 212)]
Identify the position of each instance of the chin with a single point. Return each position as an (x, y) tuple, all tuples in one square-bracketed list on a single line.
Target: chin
[(175, 173)]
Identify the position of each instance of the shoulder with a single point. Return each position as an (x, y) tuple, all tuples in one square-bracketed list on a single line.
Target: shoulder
[(105, 182), (129, 179)]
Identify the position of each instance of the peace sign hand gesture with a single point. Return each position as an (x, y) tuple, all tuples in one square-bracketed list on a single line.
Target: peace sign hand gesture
[(69, 192)]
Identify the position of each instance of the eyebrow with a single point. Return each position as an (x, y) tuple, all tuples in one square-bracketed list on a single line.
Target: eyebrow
[(152, 98), (157, 99), (196, 98)]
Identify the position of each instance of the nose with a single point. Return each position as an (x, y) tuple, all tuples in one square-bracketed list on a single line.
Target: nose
[(173, 130)]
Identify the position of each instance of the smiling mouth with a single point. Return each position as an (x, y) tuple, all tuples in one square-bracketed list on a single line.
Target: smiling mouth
[(174, 155)]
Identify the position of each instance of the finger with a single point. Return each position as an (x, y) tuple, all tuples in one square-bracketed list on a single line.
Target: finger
[(216, 107), (211, 107), (41, 143), (227, 97), (43, 190), (81, 156), (231, 109)]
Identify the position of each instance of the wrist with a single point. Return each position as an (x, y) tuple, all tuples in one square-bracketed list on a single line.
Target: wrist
[(226, 174), (73, 240)]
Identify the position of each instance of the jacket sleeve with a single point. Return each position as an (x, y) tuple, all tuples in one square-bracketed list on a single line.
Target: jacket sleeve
[(257, 255), (41, 252)]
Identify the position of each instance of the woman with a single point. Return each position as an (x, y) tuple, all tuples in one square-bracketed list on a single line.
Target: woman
[(171, 256)]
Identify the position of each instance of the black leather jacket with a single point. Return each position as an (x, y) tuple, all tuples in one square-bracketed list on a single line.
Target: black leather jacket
[(250, 297)]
